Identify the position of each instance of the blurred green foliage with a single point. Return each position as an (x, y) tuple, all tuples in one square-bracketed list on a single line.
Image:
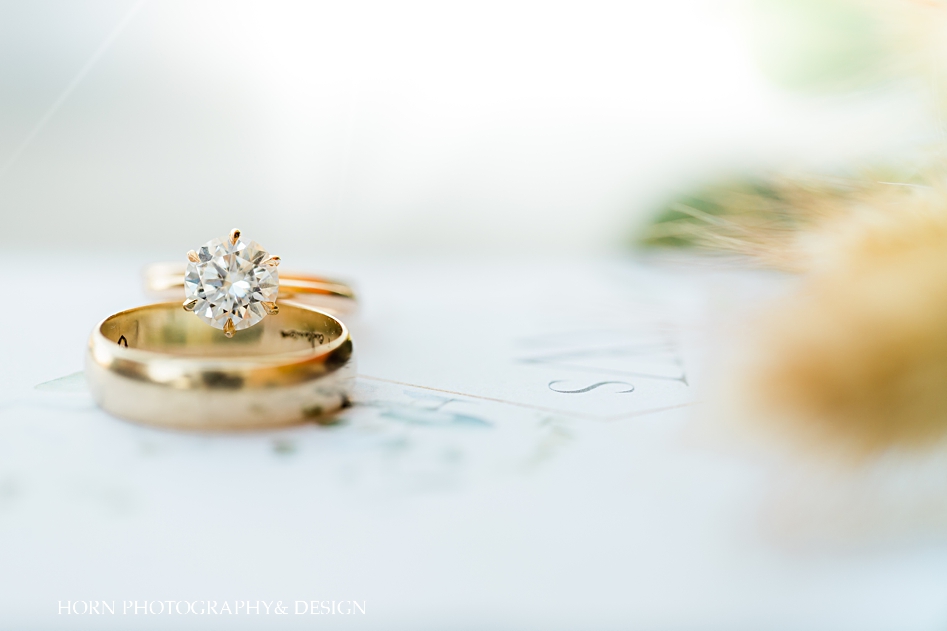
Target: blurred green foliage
[(686, 219), (820, 45)]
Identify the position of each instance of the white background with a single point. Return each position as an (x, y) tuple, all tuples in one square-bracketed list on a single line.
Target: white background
[(390, 126)]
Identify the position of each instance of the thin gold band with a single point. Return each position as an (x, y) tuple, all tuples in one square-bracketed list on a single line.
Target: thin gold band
[(160, 365), (165, 281)]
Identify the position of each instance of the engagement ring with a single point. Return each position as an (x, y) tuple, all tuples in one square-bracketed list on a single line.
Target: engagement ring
[(232, 283)]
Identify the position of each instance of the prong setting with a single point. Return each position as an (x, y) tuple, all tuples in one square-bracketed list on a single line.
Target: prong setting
[(215, 267)]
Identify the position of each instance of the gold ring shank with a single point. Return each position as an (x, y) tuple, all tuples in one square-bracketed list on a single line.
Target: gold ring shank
[(165, 281), (162, 366)]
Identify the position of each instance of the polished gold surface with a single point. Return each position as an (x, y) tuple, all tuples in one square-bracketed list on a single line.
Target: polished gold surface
[(193, 257), (189, 305), (234, 235), (165, 281), (271, 307), (229, 328), (160, 365), (273, 260)]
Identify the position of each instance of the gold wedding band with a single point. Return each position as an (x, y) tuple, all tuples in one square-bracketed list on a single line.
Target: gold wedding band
[(160, 365)]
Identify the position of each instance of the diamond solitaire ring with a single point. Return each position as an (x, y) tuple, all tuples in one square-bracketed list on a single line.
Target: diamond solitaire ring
[(232, 283)]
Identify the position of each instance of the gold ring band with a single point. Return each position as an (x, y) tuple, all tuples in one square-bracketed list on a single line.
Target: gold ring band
[(160, 365), (165, 281)]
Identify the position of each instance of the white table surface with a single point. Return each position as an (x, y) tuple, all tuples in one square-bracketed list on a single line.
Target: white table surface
[(461, 491)]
